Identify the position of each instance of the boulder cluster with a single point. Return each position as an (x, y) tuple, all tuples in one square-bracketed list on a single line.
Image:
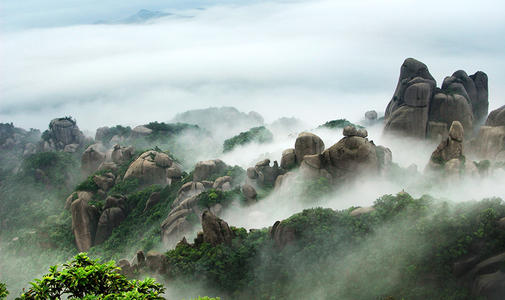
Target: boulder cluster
[(419, 109)]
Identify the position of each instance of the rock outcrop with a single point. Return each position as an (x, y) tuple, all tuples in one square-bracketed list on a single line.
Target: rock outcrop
[(490, 141), (307, 144), (151, 167), (449, 149), (84, 222), (215, 230), (282, 235), (419, 109), (263, 174), (63, 134), (91, 159), (204, 170)]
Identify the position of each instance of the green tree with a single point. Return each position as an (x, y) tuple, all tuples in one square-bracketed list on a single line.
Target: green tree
[(83, 278), (3, 291)]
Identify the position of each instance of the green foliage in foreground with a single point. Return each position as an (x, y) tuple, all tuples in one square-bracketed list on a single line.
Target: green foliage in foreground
[(405, 248), (340, 123), (83, 278), (259, 135), (3, 291)]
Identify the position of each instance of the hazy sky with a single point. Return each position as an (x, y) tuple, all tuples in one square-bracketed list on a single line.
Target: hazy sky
[(316, 60)]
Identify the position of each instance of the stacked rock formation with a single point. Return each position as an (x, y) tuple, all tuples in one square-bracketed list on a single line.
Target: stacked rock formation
[(419, 109), (490, 141)]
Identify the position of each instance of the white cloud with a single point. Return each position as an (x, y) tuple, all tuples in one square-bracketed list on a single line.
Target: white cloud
[(316, 60)]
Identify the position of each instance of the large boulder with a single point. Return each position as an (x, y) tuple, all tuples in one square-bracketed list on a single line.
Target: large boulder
[(447, 107), (62, 132), (120, 154), (91, 159), (349, 157), (496, 117), (84, 223), (206, 169), (150, 168), (215, 230), (288, 160), (307, 144), (110, 219), (282, 234)]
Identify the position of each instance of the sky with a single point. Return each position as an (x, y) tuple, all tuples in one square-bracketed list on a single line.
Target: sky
[(316, 60)]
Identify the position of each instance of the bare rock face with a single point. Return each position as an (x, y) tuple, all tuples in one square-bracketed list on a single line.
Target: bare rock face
[(78, 195), (157, 262), (362, 211), (264, 174), (490, 142), (150, 168), (282, 235), (104, 182), (288, 160), (407, 112), (205, 169), (419, 109), (84, 223), (215, 230), (350, 157), (91, 159), (307, 144), (450, 148), (120, 154), (110, 219), (496, 117), (154, 199), (62, 132), (249, 192)]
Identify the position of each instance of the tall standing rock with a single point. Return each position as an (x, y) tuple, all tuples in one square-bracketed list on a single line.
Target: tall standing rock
[(215, 230), (407, 112), (450, 148), (84, 223), (420, 109)]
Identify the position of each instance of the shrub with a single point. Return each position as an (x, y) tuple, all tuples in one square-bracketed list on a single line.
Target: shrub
[(340, 123), (83, 278), (3, 291)]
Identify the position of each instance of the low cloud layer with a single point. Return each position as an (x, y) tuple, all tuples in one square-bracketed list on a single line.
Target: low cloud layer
[(316, 60)]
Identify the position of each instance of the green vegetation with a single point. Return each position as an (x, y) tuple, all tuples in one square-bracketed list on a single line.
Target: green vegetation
[(163, 131), (83, 278), (259, 135), (212, 197), (52, 168), (335, 255), (340, 123), (118, 130), (3, 291)]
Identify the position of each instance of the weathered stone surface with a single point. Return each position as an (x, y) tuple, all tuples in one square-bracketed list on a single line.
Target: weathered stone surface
[(120, 154), (150, 168), (437, 131), (288, 159), (307, 144), (188, 190), (63, 132), (84, 223), (408, 121), (141, 130), (350, 157), (496, 117), (215, 230), (154, 199), (206, 169), (265, 174), (362, 210), (249, 192), (222, 183), (91, 159), (490, 142), (282, 235), (87, 196), (449, 148), (157, 262), (447, 108), (110, 219), (104, 182)]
